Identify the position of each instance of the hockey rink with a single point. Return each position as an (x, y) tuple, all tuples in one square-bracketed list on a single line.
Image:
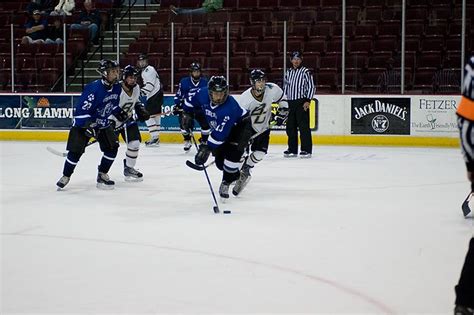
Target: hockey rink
[(352, 230)]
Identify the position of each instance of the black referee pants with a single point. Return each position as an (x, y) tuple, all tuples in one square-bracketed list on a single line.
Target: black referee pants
[(298, 118), (465, 287)]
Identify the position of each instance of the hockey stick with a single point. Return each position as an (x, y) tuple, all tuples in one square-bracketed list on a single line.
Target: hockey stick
[(199, 167), (216, 207), (64, 154), (465, 205)]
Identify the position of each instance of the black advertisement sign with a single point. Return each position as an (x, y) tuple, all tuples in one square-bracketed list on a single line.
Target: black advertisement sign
[(11, 112), (380, 116), (49, 112)]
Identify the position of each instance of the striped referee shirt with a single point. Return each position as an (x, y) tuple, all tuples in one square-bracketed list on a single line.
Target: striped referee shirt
[(299, 84)]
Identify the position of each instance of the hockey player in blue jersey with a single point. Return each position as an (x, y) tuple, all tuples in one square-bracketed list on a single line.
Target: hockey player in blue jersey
[(188, 86), (230, 129), (98, 101)]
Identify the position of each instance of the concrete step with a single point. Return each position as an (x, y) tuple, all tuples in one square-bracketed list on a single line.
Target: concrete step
[(124, 32), (140, 13)]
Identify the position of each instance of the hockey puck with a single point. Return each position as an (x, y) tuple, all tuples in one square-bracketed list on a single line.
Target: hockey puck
[(227, 212)]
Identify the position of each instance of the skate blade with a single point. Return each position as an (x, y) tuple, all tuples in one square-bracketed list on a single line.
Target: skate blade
[(133, 179), (105, 187), (238, 192)]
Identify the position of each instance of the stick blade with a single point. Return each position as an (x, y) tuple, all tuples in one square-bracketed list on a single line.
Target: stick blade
[(216, 209), (465, 205), (194, 166), (56, 152)]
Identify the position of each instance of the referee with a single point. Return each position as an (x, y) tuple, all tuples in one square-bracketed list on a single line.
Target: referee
[(299, 89)]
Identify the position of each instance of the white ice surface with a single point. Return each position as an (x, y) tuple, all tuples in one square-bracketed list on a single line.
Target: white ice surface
[(352, 230)]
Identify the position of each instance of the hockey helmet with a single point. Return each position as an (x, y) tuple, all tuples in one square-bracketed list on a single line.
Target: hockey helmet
[(129, 71), (105, 65), (142, 61), (194, 67), (218, 89), (257, 75)]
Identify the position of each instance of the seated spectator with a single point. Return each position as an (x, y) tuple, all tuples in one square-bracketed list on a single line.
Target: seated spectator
[(89, 19), (44, 6), (390, 79), (35, 29), (64, 7), (55, 33), (207, 7)]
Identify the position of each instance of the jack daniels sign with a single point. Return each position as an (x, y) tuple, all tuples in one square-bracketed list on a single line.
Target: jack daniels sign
[(380, 116)]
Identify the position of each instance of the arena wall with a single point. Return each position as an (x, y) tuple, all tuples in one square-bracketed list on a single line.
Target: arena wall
[(400, 120)]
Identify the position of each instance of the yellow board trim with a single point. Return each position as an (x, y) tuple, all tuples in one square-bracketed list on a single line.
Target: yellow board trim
[(276, 138)]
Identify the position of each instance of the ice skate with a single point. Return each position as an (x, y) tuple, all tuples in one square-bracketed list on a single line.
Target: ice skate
[(187, 145), (224, 191), (242, 181), (305, 155), (289, 154), (153, 142), (62, 182), (462, 310), (104, 182), (131, 174)]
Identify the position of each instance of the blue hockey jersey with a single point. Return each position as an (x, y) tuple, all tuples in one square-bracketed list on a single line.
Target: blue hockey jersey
[(96, 104), (221, 118), (186, 87)]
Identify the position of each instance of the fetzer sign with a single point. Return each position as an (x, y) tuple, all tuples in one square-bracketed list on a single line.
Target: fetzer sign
[(380, 116)]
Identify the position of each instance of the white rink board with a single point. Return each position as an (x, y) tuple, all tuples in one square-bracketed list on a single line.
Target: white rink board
[(335, 114)]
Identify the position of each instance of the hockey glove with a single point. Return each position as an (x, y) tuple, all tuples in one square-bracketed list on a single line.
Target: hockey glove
[(280, 117), (177, 109), (187, 121), (202, 155), (142, 113), (90, 132), (121, 115)]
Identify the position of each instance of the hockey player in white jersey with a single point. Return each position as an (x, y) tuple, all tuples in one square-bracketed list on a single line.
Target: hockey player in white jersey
[(153, 91), (258, 100), (128, 129)]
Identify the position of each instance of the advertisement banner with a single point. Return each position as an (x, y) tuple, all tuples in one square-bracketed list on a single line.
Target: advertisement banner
[(47, 112), (434, 116), (380, 115), (11, 113)]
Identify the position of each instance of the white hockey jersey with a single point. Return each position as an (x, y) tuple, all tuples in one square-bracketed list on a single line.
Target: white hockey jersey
[(151, 82), (261, 111), (127, 103)]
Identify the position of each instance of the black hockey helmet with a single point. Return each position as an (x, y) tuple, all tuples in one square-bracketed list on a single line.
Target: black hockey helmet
[(104, 66), (142, 61), (129, 71), (218, 84), (195, 66), (257, 75)]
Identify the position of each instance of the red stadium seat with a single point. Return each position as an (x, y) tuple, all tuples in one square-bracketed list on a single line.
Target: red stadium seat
[(245, 48), (238, 63), (260, 62)]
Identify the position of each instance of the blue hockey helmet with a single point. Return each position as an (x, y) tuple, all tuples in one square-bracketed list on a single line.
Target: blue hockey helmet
[(218, 89)]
